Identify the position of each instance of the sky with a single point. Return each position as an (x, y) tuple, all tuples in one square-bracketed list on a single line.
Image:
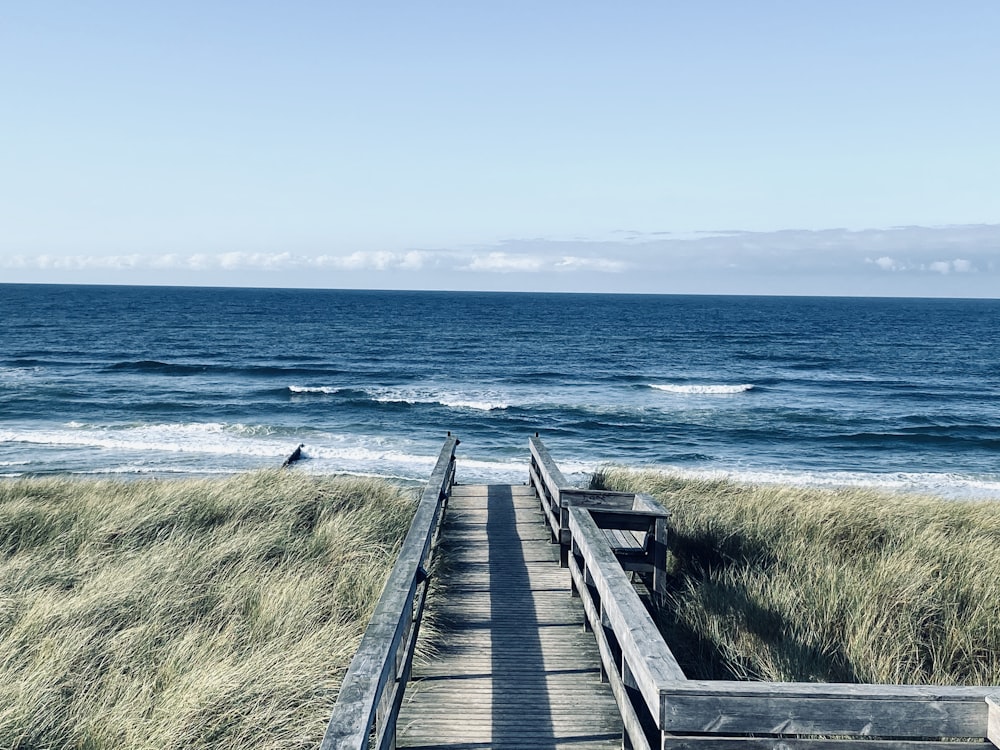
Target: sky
[(658, 147)]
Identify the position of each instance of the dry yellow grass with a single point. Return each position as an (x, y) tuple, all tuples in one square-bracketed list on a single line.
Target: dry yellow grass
[(186, 614), (783, 583)]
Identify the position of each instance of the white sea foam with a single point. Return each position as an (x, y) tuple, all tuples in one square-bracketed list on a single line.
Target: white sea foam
[(946, 485), (324, 389), (479, 401), (206, 438), (702, 389), (17, 376)]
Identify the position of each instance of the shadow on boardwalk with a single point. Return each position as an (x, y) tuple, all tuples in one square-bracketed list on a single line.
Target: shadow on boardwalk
[(513, 667)]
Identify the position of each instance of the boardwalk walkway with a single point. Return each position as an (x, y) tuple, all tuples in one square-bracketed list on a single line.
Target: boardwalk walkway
[(514, 668)]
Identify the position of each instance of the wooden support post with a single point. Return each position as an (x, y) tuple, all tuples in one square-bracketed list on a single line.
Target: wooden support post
[(628, 680), (993, 720), (660, 561), (604, 624), (385, 718), (587, 627)]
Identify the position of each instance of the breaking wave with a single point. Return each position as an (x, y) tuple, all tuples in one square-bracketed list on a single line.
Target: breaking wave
[(323, 389), (702, 389)]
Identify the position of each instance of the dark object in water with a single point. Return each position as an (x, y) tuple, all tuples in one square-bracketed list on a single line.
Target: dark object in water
[(296, 456)]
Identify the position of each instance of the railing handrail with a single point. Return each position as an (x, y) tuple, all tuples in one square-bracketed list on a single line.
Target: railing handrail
[(548, 471), (643, 648), (379, 660)]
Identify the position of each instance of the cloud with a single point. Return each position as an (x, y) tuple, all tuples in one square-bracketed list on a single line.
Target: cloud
[(506, 263), (541, 262), (574, 263), (900, 260), (943, 267), (228, 261), (886, 263)]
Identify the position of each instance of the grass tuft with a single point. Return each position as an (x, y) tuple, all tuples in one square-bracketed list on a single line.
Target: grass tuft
[(189, 613), (793, 584)]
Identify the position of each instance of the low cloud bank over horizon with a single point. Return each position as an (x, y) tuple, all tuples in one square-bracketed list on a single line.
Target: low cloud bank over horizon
[(948, 261)]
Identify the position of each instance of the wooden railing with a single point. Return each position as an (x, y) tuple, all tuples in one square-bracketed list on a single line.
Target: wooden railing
[(634, 525), (372, 691), (661, 708)]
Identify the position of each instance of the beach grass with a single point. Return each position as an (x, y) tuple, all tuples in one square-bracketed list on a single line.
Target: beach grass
[(186, 613), (782, 583)]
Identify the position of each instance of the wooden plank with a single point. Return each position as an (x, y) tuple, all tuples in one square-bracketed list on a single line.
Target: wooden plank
[(649, 657), (579, 498), (622, 541), (826, 709), (993, 721), (649, 504), (631, 520), (715, 742), (374, 663), (843, 690)]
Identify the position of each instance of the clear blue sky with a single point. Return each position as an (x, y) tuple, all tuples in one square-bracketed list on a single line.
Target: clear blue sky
[(758, 147)]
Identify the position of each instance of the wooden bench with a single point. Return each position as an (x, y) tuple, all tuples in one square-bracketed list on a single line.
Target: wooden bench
[(634, 524)]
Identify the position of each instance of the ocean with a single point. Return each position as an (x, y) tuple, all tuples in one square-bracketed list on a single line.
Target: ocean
[(901, 394)]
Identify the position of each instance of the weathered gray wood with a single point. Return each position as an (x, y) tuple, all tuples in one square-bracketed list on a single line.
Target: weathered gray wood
[(841, 690), (659, 553), (548, 472), (825, 709), (625, 541), (550, 508), (650, 659), (547, 707), (630, 520), (993, 721), (716, 742), (374, 665), (510, 666), (649, 504), (637, 513), (573, 497), (609, 673)]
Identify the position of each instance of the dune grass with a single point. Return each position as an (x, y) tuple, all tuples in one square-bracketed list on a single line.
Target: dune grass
[(791, 584), (188, 613)]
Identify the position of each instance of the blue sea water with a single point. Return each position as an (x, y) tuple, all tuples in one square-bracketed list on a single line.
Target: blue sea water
[(896, 393)]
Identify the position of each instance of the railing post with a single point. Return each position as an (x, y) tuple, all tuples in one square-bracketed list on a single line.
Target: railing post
[(993, 719), (660, 561), (631, 687)]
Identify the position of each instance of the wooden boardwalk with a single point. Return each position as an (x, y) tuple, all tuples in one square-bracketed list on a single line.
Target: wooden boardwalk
[(514, 666)]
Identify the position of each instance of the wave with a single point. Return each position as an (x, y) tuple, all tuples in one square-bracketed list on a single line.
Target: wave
[(449, 400), (943, 484), (702, 389), (211, 448), (155, 366), (305, 389), (211, 438), (983, 436)]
